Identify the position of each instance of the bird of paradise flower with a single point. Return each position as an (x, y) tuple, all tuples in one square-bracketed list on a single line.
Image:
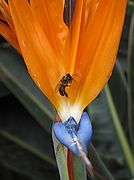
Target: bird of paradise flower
[(85, 50), (50, 50)]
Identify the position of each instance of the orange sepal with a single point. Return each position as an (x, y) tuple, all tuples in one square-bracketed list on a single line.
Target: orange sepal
[(50, 17), (9, 35), (96, 48), (104, 57), (42, 61), (4, 8)]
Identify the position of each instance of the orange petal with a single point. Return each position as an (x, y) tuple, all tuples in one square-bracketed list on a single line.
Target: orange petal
[(50, 17), (1, 16), (104, 29), (71, 45), (91, 51), (41, 59), (94, 18), (6, 13), (9, 35)]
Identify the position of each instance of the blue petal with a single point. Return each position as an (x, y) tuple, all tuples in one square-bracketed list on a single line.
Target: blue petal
[(65, 133), (84, 132), (64, 137)]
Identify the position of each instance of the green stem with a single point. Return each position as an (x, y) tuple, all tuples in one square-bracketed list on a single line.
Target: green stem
[(123, 140), (125, 83), (98, 164)]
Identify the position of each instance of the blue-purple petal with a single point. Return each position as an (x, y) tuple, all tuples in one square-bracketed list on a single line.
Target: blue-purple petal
[(64, 133)]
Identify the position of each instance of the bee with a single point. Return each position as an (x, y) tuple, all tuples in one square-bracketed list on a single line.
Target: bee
[(63, 83)]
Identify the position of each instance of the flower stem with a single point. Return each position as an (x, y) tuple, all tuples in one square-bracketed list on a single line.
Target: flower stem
[(122, 138)]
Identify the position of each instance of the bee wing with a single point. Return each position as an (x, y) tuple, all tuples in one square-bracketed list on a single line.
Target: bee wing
[(57, 87), (74, 76)]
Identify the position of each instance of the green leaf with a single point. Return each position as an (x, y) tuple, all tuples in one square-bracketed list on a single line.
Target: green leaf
[(24, 145), (119, 130), (100, 169), (122, 55), (104, 132), (3, 90), (119, 93), (22, 158), (104, 138), (130, 67), (14, 75)]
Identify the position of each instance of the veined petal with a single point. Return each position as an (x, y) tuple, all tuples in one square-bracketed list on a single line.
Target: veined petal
[(6, 25), (50, 16), (42, 62), (93, 22), (104, 29), (4, 8), (91, 51), (71, 45)]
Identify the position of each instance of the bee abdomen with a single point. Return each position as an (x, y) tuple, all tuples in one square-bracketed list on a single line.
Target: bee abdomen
[(62, 91)]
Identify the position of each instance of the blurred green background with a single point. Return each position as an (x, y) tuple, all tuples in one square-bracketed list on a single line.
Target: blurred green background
[(26, 148)]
